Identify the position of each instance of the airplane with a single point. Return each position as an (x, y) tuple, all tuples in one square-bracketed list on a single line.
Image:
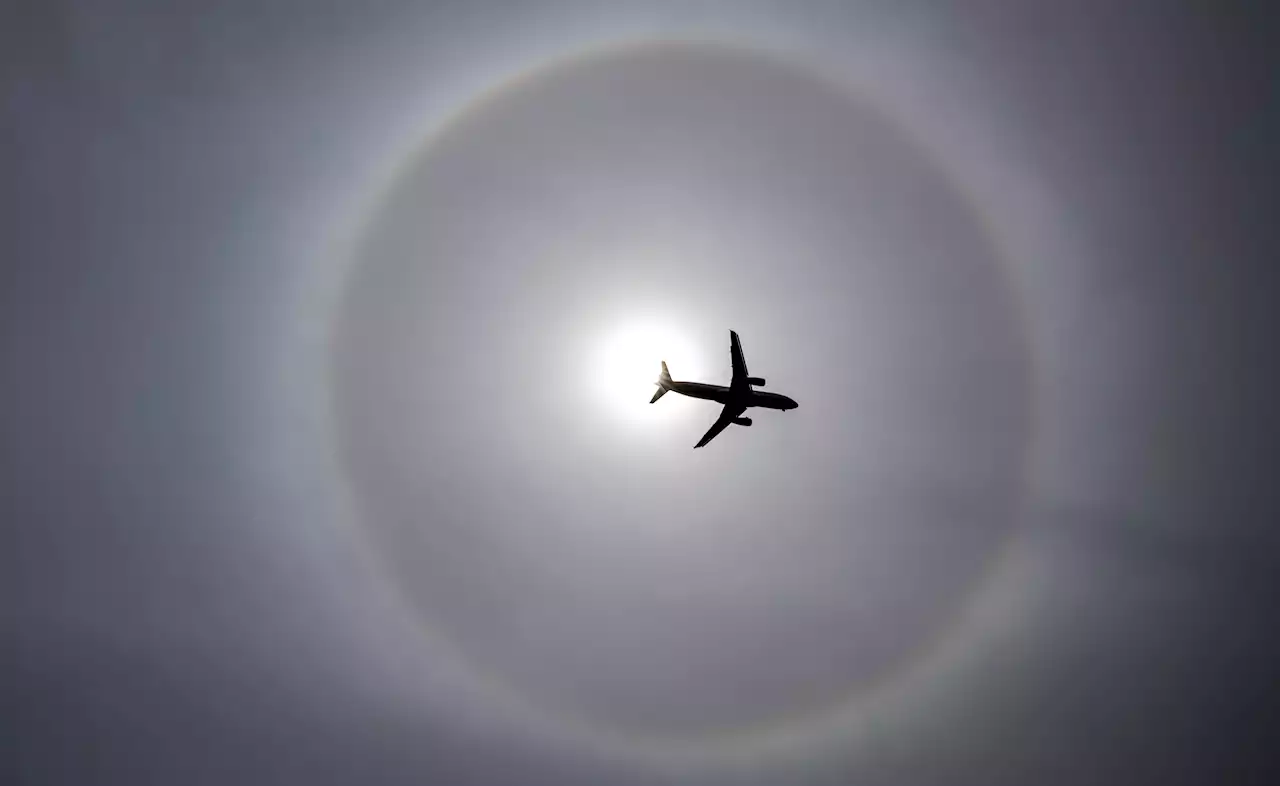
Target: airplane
[(736, 397)]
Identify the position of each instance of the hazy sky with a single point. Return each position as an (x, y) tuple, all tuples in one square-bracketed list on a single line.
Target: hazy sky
[(326, 338)]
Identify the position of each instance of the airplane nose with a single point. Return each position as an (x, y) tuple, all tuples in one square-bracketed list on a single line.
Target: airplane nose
[(792, 402)]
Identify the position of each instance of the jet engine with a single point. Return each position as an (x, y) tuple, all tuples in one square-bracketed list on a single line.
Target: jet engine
[(756, 380), (742, 421)]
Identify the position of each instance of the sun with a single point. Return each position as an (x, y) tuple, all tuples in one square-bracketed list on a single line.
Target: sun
[(628, 359)]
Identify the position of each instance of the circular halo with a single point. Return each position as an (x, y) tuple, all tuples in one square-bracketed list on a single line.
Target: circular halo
[(775, 736)]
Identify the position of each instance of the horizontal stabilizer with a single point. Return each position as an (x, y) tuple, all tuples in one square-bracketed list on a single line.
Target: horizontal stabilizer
[(663, 383)]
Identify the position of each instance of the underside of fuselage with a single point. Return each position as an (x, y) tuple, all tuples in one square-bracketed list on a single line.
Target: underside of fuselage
[(725, 395), (703, 390), (770, 400)]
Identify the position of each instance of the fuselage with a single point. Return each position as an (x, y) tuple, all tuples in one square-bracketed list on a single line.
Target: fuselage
[(725, 395)]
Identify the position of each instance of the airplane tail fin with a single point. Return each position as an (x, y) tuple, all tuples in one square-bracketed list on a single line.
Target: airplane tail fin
[(663, 383)]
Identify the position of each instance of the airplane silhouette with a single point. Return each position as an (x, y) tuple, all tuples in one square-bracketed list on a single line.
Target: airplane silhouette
[(736, 397)]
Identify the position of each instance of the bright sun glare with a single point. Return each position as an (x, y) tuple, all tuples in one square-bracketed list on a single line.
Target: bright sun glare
[(628, 360)]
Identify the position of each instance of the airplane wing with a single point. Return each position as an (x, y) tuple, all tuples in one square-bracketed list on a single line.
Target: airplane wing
[(739, 362), (727, 415)]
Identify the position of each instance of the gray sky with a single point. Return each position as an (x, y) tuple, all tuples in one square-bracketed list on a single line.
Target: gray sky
[(325, 458)]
